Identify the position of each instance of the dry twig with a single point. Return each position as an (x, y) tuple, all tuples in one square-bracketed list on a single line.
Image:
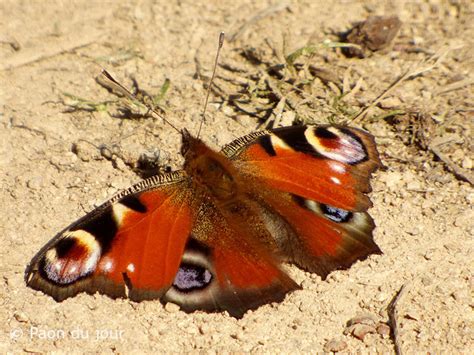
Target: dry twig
[(393, 318), (455, 86), (419, 69), (457, 170), (34, 54)]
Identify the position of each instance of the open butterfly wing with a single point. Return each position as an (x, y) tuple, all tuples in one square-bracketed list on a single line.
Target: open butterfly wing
[(138, 245), (315, 179), (322, 238), (331, 164), (227, 267), (130, 246)]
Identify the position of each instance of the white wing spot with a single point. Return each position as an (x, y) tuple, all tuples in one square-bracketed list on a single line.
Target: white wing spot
[(131, 267), (313, 140), (311, 205), (337, 167), (107, 265), (277, 142), (119, 211)]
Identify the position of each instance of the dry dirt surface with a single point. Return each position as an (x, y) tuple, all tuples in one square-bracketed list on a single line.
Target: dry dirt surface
[(67, 144)]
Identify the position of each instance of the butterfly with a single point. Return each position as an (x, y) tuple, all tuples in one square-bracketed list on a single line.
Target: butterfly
[(213, 236)]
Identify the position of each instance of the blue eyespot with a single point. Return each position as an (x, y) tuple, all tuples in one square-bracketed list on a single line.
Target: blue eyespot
[(191, 277), (336, 214)]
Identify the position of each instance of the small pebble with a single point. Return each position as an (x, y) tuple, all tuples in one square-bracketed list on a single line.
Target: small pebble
[(426, 281), (412, 314), (390, 102), (375, 33), (154, 333), (392, 180), (461, 296), (239, 335), (470, 198), (367, 319), (335, 345), (20, 317), (427, 204), (287, 118), (361, 330), (35, 183), (467, 163), (464, 219), (417, 40), (192, 329), (430, 254), (227, 110), (120, 165), (383, 329), (457, 155), (84, 150), (106, 152), (413, 230), (69, 158)]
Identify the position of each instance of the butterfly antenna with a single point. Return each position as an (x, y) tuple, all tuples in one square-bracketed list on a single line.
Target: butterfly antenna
[(221, 43), (113, 84)]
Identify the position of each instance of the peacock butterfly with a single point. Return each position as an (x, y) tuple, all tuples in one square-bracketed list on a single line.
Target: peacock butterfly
[(214, 235)]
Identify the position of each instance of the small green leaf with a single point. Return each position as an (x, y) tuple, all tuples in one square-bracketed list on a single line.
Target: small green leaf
[(163, 90)]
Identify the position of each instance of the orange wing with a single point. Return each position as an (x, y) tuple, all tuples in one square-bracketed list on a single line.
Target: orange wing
[(229, 264), (321, 238), (130, 246), (315, 179), (148, 243)]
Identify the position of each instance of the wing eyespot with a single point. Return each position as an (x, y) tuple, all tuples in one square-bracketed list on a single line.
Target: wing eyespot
[(338, 144), (192, 277), (335, 214), (72, 258), (332, 213)]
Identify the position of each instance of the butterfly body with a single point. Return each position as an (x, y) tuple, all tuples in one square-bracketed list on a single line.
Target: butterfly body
[(210, 172), (213, 236)]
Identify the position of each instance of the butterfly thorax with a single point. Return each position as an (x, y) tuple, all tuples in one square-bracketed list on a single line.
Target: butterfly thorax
[(209, 170)]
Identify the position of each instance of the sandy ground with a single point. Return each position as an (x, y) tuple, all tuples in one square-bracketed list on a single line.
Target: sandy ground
[(52, 171)]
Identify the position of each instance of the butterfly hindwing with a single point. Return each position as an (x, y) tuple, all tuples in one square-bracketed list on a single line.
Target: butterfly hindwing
[(228, 264), (315, 179), (130, 246), (322, 238)]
